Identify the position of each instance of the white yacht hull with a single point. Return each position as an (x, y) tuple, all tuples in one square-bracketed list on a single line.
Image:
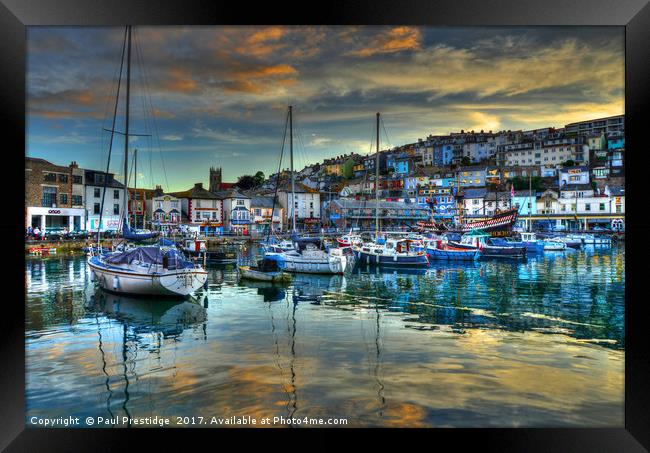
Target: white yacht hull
[(126, 280), (296, 262)]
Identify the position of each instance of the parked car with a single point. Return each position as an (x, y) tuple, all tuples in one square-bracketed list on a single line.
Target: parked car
[(54, 234), (78, 234)]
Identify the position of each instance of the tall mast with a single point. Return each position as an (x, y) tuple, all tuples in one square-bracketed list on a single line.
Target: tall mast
[(135, 187), (293, 180), (126, 122), (377, 183), (530, 196)]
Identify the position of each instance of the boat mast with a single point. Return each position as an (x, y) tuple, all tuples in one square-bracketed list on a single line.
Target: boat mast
[(293, 180), (377, 184), (530, 197), (126, 123)]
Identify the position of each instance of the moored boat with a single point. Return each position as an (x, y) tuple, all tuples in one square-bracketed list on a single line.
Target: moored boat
[(267, 270), (440, 251), (152, 270), (393, 253), (490, 247)]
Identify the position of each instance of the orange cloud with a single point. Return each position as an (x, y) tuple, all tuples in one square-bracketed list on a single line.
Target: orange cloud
[(267, 34), (264, 42), (395, 40), (179, 80)]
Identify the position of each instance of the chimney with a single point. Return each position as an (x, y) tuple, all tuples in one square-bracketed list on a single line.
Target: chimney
[(73, 164), (198, 185)]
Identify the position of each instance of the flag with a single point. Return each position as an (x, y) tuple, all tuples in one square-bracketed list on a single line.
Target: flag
[(512, 190)]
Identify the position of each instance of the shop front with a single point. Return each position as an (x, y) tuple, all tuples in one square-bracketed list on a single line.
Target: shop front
[(56, 218), (108, 223), (311, 224), (211, 229)]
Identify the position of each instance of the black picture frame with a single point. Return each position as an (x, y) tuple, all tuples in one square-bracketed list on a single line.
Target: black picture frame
[(634, 15)]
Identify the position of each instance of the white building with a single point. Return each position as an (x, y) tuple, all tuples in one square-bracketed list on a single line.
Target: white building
[(113, 201), (547, 152), (306, 206), (164, 209), (202, 210), (236, 211)]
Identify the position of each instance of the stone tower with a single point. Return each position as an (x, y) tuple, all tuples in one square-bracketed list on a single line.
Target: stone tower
[(215, 179)]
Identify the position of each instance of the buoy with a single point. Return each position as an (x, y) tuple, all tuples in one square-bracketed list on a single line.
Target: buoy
[(116, 282)]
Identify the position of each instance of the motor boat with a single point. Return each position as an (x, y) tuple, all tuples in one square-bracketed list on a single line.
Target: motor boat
[(392, 253)]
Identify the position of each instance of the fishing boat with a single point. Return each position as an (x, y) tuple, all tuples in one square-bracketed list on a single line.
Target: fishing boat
[(307, 255), (349, 240), (554, 246), (438, 250), (490, 247), (528, 240), (392, 253), (142, 270), (195, 247), (266, 270)]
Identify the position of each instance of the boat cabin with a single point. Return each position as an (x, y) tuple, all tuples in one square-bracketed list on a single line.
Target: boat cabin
[(195, 245)]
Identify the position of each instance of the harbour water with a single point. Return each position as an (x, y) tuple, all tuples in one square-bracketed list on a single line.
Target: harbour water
[(539, 343)]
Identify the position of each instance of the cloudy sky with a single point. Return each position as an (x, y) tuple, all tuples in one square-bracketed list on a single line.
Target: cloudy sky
[(219, 94)]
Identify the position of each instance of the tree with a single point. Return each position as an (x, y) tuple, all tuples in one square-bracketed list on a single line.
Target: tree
[(569, 163), (246, 182), (465, 161), (259, 178)]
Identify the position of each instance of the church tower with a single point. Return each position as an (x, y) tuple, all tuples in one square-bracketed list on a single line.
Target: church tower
[(215, 179)]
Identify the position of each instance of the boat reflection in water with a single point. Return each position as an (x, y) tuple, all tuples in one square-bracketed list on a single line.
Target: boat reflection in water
[(314, 287), (169, 317), (270, 292)]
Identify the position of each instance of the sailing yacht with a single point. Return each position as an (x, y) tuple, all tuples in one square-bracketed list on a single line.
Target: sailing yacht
[(146, 270), (308, 255), (388, 252)]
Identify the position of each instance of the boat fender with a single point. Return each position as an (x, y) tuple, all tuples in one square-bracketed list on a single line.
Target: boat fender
[(92, 276), (394, 257), (116, 282)]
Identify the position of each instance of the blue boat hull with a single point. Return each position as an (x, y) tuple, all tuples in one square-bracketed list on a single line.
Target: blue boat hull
[(453, 255), (390, 261)]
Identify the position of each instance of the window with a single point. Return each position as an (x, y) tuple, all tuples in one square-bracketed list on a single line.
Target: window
[(97, 193), (49, 196), (63, 198), (77, 200), (601, 206), (258, 211), (77, 179), (588, 207), (116, 209), (116, 194), (96, 208), (50, 177), (240, 202), (63, 178)]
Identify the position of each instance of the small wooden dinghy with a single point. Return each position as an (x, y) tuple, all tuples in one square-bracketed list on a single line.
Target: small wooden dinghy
[(266, 271)]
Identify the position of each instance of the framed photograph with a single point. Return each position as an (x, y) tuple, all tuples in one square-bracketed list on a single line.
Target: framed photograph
[(382, 215)]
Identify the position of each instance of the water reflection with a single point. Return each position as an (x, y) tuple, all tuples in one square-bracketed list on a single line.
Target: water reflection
[(538, 343)]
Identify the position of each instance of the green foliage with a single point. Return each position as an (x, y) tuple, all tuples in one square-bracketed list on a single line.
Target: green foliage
[(466, 161), (246, 182), (523, 183), (259, 178), (569, 163)]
